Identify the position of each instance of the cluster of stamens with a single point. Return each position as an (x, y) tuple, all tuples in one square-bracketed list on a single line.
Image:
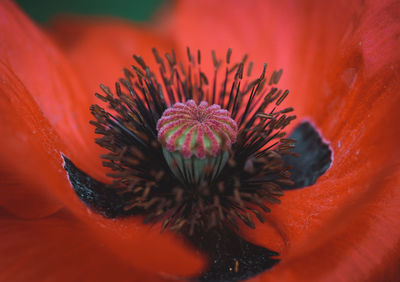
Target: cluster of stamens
[(192, 154)]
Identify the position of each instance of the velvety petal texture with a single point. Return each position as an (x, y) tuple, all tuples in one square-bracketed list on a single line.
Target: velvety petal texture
[(28, 143), (36, 86), (343, 72), (343, 69), (99, 48), (59, 248), (49, 78), (301, 37)]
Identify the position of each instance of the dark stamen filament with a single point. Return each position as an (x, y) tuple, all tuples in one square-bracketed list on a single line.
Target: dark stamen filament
[(254, 169)]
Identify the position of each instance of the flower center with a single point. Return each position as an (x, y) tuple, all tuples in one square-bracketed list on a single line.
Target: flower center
[(193, 154)]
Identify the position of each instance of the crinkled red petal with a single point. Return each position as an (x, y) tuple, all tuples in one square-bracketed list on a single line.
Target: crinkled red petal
[(100, 48), (343, 70), (50, 79), (34, 94), (30, 153), (61, 248)]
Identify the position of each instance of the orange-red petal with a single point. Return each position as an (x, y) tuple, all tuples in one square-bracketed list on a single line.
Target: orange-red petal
[(344, 73), (99, 48), (298, 36), (343, 70), (49, 78), (31, 155), (31, 143), (361, 243), (60, 248), (30, 152)]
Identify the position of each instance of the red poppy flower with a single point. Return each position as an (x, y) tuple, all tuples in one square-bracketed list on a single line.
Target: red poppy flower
[(342, 66)]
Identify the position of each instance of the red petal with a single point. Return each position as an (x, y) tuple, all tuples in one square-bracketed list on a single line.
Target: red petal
[(298, 36), (28, 161), (60, 248), (360, 243), (343, 69), (29, 151), (100, 48), (31, 143), (145, 247), (48, 77)]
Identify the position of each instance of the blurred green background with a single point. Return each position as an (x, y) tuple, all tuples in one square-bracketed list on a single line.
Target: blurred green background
[(43, 10)]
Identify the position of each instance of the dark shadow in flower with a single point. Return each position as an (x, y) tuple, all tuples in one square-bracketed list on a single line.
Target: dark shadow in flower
[(99, 197), (315, 156), (231, 257)]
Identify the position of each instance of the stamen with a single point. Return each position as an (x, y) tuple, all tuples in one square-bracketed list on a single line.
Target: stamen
[(192, 154)]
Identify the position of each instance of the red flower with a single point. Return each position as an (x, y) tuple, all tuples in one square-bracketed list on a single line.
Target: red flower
[(342, 66)]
